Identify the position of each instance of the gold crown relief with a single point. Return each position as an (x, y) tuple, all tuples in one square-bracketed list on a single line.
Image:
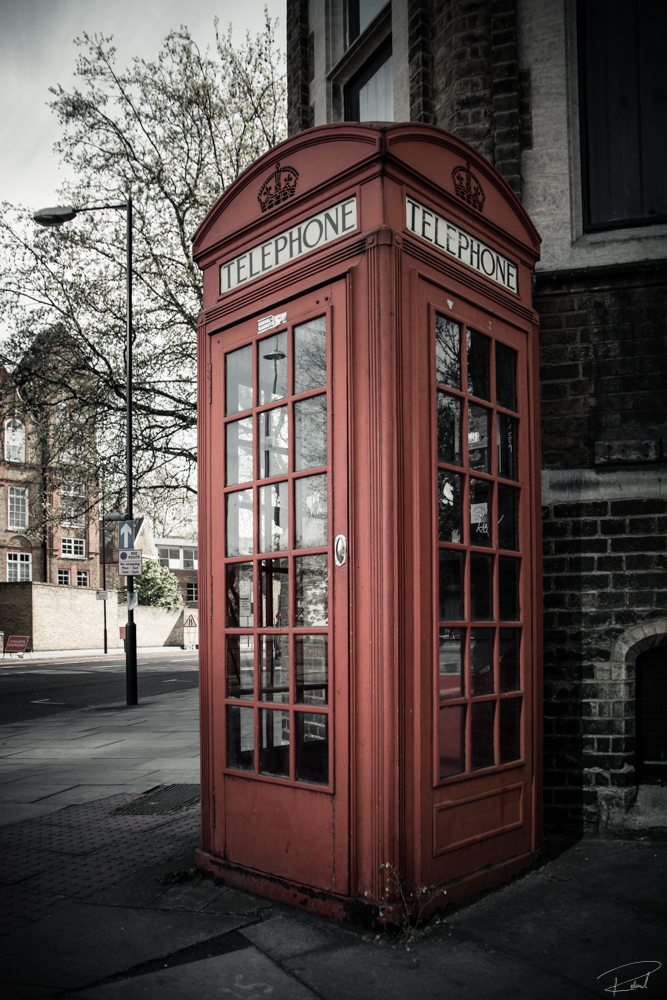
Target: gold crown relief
[(467, 187), (278, 187)]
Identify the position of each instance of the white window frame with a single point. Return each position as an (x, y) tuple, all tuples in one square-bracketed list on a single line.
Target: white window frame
[(16, 560), (69, 548), (68, 573), (18, 426), (17, 492), (82, 574), (194, 586), (73, 489)]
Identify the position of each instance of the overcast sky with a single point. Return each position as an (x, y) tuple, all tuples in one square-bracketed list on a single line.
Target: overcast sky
[(37, 52)]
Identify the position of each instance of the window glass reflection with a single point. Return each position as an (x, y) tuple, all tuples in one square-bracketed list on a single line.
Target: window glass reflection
[(274, 593), (447, 352), (507, 446), (508, 506), (310, 355), (451, 581), (478, 438), (312, 747), (311, 598), (480, 512), (274, 668), (273, 518), (479, 356), (508, 586), (449, 506), (273, 442), (240, 738), (310, 433), (505, 376), (311, 656), (272, 354), (239, 523), (310, 511), (451, 740), (481, 661), (510, 644), (481, 587), (448, 423), (509, 722), (239, 451), (241, 666), (482, 753), (239, 595), (274, 749), (451, 654), (238, 381)]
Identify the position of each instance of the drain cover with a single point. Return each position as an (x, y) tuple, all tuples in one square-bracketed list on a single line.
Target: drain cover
[(162, 800)]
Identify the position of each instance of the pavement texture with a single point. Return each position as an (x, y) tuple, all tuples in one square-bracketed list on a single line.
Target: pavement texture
[(99, 897)]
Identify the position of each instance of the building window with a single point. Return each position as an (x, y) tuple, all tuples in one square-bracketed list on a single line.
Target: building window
[(623, 87), (651, 675), (73, 509), (189, 558), (82, 578), (192, 593), (359, 14), (18, 507), (63, 577), (370, 95), (19, 567), (75, 547), (178, 558), (14, 441)]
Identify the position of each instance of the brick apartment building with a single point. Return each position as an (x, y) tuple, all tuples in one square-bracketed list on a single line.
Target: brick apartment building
[(536, 86)]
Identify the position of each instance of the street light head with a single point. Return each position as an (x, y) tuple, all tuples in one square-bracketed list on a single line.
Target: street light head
[(115, 517), (55, 216)]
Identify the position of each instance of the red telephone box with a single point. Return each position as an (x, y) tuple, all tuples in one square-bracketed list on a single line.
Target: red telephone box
[(369, 540)]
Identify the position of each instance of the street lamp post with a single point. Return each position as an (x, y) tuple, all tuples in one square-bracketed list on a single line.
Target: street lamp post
[(56, 217)]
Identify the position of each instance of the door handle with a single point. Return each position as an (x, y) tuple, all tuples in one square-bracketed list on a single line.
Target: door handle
[(340, 550)]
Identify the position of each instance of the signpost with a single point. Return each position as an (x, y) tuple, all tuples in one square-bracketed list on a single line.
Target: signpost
[(129, 562), (17, 644), (190, 628), (102, 595), (126, 534)]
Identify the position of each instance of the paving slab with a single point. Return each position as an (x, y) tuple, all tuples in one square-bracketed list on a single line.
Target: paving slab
[(284, 937)]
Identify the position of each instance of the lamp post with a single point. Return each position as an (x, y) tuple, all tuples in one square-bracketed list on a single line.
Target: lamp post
[(56, 217)]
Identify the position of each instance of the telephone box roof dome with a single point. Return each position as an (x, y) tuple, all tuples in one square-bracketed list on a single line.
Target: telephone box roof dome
[(310, 162)]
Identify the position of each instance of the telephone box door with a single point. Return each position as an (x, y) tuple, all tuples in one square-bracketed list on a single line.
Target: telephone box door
[(279, 527)]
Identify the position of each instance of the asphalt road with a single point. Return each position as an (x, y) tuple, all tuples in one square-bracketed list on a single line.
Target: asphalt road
[(29, 692)]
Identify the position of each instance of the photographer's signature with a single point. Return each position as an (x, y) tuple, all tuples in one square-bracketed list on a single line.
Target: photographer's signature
[(632, 976)]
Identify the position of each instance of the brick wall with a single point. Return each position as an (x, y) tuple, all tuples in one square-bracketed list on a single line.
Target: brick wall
[(15, 609)]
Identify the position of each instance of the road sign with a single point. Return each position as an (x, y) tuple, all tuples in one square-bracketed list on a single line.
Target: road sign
[(17, 643), (190, 622), (102, 595), (129, 562), (126, 534)]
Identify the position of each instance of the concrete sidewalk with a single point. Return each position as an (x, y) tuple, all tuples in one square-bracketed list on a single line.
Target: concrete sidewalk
[(100, 899)]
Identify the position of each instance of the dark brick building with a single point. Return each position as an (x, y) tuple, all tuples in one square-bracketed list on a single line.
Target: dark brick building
[(535, 85)]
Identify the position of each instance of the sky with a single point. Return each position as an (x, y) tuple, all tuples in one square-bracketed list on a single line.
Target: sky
[(37, 52)]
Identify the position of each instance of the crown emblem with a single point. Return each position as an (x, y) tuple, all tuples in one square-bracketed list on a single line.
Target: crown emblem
[(278, 187), (468, 187)]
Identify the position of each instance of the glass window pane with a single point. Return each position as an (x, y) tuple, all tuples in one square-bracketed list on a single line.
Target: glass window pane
[(240, 738), (451, 740), (274, 593), (451, 580), (447, 352), (507, 447), (312, 747), (273, 518), (310, 355), (508, 586), (448, 424), (310, 512), (273, 442), (481, 587), (310, 433), (479, 357), (505, 376), (376, 94), (449, 507), (272, 354), (478, 438), (481, 493), (274, 748), (481, 661), (239, 525), (508, 508), (450, 663), (311, 655), (239, 451), (241, 666), (238, 396), (311, 599), (239, 596), (274, 668), (481, 734), (510, 729), (510, 644)]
